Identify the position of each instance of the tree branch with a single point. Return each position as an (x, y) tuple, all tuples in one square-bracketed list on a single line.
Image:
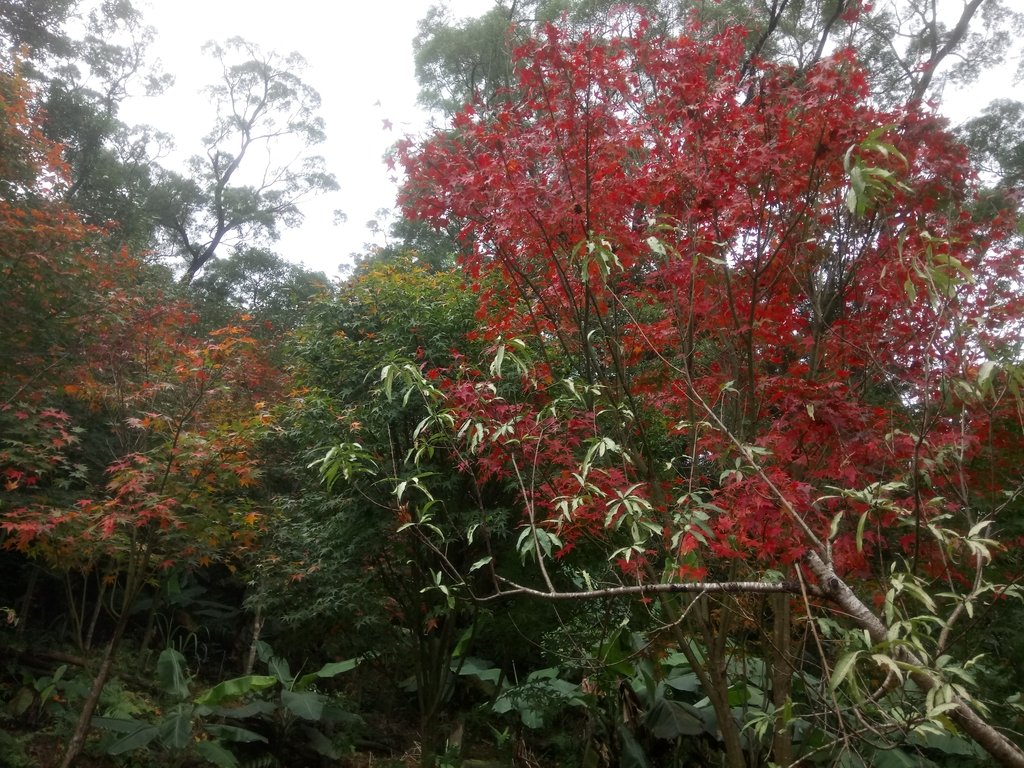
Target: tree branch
[(645, 590)]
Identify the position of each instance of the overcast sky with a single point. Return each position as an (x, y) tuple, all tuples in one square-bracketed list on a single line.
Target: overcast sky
[(359, 53)]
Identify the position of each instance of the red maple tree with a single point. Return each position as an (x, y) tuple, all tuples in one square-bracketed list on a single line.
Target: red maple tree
[(757, 321)]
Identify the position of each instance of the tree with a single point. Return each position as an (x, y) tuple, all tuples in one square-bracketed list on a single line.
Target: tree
[(128, 442), (463, 61), (341, 545), (42, 242), (227, 196), (996, 137), (37, 24), (906, 45), (256, 282), (83, 60), (756, 332)]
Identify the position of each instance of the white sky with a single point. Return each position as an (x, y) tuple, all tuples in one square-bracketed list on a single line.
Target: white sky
[(359, 53)]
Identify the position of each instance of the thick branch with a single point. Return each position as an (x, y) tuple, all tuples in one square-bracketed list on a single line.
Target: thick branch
[(954, 39), (645, 590), (1004, 751)]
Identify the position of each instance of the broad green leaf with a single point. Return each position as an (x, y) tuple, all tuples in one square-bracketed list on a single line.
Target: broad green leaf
[(632, 754), (254, 708), (656, 246), (234, 733), (481, 669), (985, 373), (135, 740), (170, 671), (669, 719), (889, 663), (234, 688), (305, 704), (176, 728), (320, 743), (281, 669), (216, 754), (978, 528), (331, 669), (118, 724)]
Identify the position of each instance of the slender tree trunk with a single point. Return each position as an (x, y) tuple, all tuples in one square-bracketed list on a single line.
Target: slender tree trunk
[(26, 601), (97, 608), (782, 677), (257, 628), (98, 683), (135, 578), (712, 680), (77, 619), (147, 634), (1002, 750)]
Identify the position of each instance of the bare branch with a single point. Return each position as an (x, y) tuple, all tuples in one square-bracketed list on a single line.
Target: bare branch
[(646, 590)]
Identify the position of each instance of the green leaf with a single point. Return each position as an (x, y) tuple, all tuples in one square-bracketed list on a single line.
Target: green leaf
[(480, 563), (481, 669), (656, 246), (170, 671), (910, 289), (498, 359), (305, 704), (135, 740), (320, 743), (234, 688), (688, 682), (632, 754), (978, 528), (280, 669), (118, 724), (834, 527), (331, 669), (894, 758), (985, 373), (176, 728), (860, 531), (842, 669), (254, 708), (889, 663), (234, 733), (669, 720), (216, 754)]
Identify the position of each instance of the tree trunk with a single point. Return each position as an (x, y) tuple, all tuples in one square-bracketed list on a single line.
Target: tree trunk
[(97, 608), (712, 680), (98, 683), (257, 628), (134, 580), (1002, 750), (77, 618), (782, 677), (26, 601), (147, 635)]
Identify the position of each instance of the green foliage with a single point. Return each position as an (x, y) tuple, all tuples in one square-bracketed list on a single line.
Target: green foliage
[(232, 712), (12, 751), (466, 61), (362, 527), (258, 283)]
